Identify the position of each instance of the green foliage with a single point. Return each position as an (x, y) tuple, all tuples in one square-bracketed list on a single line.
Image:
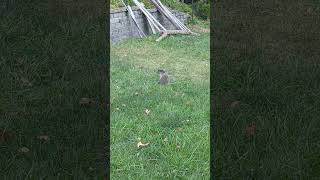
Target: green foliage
[(199, 22), (173, 4), (177, 5), (202, 9), (114, 4)]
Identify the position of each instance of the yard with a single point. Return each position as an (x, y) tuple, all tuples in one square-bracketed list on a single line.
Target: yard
[(52, 56), (266, 71), (176, 123)]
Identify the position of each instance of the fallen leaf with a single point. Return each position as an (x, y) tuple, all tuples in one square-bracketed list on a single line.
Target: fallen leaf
[(179, 129), (308, 11), (234, 104), (5, 135), (147, 111), (165, 140), (26, 82), (43, 137), (23, 150), (251, 129), (86, 101), (19, 61), (141, 145)]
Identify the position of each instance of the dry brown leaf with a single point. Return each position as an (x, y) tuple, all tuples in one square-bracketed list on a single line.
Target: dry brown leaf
[(179, 129), (147, 111), (234, 104), (251, 129), (5, 135), (189, 103), (23, 150), (141, 145), (19, 61), (178, 147), (26, 82), (154, 132), (86, 101), (43, 137), (308, 11)]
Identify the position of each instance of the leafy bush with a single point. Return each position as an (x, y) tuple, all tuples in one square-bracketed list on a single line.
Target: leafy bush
[(173, 4), (202, 9), (177, 5)]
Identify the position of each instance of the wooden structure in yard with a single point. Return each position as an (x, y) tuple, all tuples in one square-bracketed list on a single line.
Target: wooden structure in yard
[(156, 25)]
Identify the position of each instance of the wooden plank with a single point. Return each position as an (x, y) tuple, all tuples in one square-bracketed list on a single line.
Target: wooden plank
[(148, 15), (134, 19), (172, 16), (170, 32), (141, 34)]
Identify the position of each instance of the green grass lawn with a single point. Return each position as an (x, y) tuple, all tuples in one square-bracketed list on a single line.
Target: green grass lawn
[(266, 57), (51, 56), (177, 126)]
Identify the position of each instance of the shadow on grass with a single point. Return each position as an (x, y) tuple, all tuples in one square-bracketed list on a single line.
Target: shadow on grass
[(43, 77), (266, 57)]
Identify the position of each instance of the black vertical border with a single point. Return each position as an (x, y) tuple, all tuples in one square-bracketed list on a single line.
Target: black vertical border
[(212, 66), (108, 122)]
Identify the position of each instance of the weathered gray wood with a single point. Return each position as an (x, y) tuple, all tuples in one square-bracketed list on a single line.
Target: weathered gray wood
[(148, 15), (176, 19), (134, 19), (151, 26), (141, 34), (165, 9), (152, 18), (164, 12), (170, 32)]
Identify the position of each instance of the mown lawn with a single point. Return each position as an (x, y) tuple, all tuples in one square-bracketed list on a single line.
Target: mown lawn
[(177, 126), (266, 71), (51, 56)]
